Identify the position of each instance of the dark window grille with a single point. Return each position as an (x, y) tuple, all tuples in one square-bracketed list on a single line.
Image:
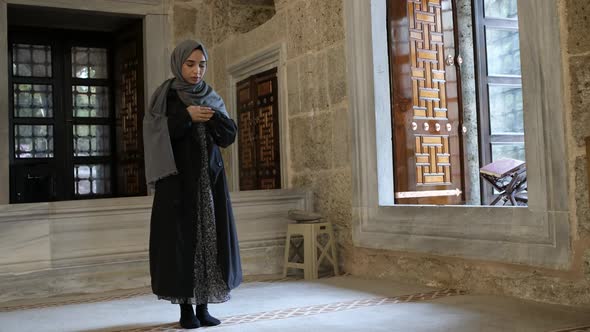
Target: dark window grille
[(64, 129)]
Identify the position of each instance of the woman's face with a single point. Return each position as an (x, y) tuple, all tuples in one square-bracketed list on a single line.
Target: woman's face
[(194, 67)]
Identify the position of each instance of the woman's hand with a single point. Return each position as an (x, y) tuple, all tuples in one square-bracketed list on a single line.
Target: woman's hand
[(200, 113)]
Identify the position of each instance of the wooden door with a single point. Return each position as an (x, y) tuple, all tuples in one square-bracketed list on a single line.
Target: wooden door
[(425, 102), (258, 120)]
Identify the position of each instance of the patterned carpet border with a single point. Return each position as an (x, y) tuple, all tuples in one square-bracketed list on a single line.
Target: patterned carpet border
[(310, 310), (89, 298), (122, 295)]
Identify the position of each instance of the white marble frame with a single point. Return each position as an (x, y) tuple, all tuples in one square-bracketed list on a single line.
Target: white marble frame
[(537, 235), (156, 37), (267, 58)]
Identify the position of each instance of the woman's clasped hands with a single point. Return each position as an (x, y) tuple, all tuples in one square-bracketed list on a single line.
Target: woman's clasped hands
[(200, 113)]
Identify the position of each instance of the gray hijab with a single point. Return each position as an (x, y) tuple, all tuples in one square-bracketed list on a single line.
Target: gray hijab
[(159, 159)]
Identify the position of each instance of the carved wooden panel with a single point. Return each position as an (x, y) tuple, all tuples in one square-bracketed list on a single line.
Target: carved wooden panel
[(129, 109), (129, 113), (259, 132), (132, 177), (269, 171), (432, 160), (130, 154), (268, 161), (248, 151), (264, 88), (424, 99), (246, 137)]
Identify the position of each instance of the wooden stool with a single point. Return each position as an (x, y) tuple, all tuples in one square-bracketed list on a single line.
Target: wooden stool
[(311, 261)]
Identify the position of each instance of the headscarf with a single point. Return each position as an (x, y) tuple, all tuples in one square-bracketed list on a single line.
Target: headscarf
[(159, 158)]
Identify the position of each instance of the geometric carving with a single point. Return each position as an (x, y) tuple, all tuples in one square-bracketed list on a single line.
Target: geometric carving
[(129, 112), (432, 152), (248, 155), (427, 55), (266, 137), (247, 151), (433, 164), (131, 177), (129, 108), (259, 138), (268, 140)]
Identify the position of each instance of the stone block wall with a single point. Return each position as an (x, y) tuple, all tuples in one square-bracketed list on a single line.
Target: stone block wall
[(578, 117), (212, 21), (319, 140)]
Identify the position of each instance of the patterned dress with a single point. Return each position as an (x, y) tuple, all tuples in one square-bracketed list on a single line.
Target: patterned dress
[(209, 286)]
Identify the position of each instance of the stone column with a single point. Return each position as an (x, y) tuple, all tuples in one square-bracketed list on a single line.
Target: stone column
[(464, 25), (156, 37)]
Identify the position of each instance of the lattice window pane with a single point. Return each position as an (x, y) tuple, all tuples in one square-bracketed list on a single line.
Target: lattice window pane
[(503, 52), (89, 62), (501, 9), (506, 114), (90, 101), (514, 151), (93, 179), (91, 140), (33, 100), (31, 60), (33, 141)]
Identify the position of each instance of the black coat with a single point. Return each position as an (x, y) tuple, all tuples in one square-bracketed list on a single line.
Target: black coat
[(172, 223)]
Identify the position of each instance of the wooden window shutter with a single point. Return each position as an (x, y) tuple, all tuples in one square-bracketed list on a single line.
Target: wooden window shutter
[(129, 113), (425, 102), (259, 145)]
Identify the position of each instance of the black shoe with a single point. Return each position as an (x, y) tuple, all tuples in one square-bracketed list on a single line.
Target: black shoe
[(187, 317), (204, 317)]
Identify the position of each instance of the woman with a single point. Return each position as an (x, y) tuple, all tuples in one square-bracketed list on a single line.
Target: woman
[(194, 252)]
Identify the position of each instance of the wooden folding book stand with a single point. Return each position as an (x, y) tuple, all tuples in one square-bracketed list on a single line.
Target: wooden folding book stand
[(508, 177)]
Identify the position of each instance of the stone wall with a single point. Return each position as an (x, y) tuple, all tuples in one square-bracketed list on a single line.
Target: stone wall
[(319, 148), (578, 116), (213, 21), (317, 105)]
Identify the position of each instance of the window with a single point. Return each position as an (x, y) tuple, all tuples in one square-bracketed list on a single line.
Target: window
[(258, 120), (428, 132), (535, 235), (66, 140)]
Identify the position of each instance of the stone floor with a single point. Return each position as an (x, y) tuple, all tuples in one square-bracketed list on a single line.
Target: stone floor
[(331, 304)]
